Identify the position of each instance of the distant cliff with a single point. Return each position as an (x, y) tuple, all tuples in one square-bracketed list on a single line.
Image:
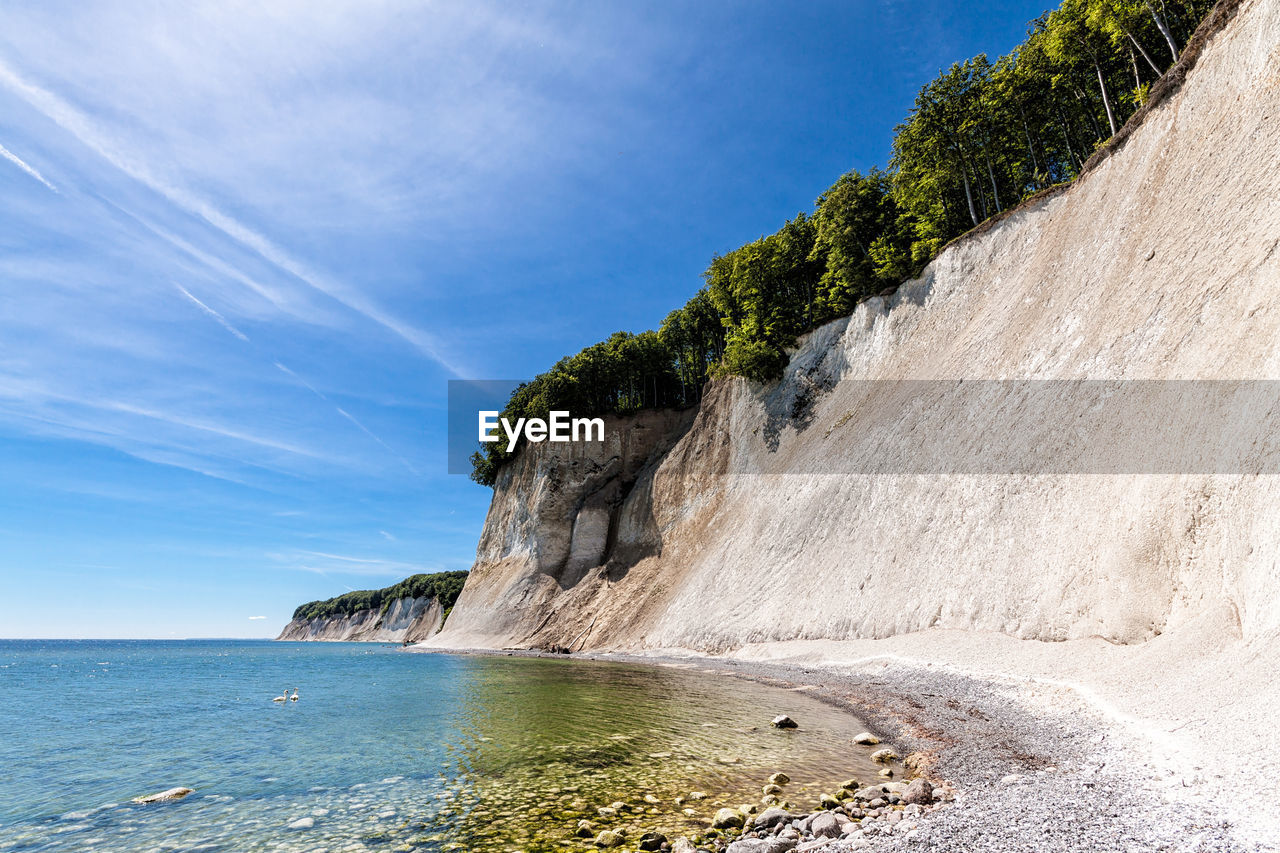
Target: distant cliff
[(411, 611)]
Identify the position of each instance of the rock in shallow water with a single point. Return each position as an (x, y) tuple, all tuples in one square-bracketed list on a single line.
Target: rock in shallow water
[(164, 796), (303, 823), (866, 739), (727, 819), (770, 818), (782, 721)]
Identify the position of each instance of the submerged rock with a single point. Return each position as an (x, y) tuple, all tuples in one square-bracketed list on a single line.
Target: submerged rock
[(303, 823), (164, 796), (609, 838), (884, 756), (779, 779), (652, 841)]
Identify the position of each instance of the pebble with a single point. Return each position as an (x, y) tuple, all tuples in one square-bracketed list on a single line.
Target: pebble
[(303, 823)]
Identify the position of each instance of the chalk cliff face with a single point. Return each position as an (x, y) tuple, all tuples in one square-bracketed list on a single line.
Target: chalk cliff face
[(763, 519), (411, 620)]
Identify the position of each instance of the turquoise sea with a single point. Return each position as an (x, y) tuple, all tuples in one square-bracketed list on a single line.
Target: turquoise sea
[(385, 749)]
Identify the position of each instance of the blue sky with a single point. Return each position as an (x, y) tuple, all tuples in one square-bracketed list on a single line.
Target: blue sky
[(243, 250)]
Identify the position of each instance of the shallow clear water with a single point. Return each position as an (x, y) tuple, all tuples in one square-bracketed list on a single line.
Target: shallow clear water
[(385, 750)]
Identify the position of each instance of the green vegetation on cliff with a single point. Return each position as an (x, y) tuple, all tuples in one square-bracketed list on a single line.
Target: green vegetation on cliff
[(445, 586), (981, 138)]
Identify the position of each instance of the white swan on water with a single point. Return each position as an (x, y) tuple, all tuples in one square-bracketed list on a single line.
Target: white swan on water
[(294, 697), (282, 697)]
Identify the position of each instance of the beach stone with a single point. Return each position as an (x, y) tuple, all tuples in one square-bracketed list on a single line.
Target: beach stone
[(585, 829), (769, 800), (683, 845), (651, 799), (164, 796), (779, 779), (727, 819), (697, 795), (850, 784), (782, 721), (825, 825), (607, 811), (871, 792), (828, 802), (866, 739), (815, 844), (762, 845), (887, 773), (884, 756), (771, 789), (303, 823), (609, 838), (918, 793)]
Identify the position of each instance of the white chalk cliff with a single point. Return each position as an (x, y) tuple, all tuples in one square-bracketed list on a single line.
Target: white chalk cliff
[(1160, 263), (404, 620)]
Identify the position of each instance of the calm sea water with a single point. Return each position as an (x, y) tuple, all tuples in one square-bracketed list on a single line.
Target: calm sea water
[(385, 750)]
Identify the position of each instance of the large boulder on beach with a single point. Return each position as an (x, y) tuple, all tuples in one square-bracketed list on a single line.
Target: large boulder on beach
[(164, 796), (825, 825), (918, 793)]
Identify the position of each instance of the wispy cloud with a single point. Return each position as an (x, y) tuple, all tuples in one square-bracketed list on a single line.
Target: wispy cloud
[(24, 166), (221, 321), (115, 152), (325, 563), (256, 618)]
